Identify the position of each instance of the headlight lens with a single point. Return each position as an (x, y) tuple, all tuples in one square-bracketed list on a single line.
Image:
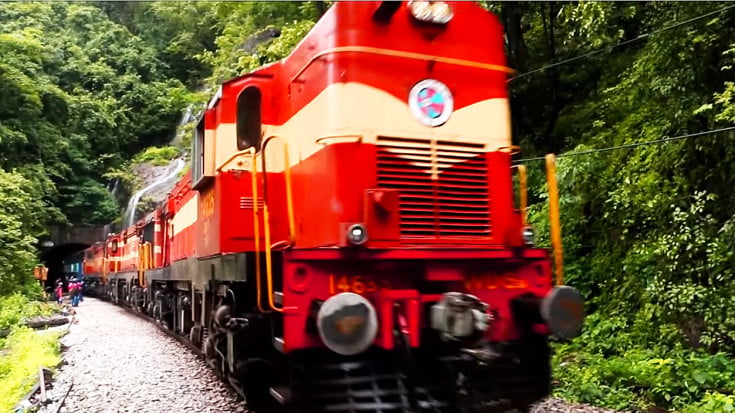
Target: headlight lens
[(357, 234), (437, 12), (347, 323), (528, 235), (563, 311)]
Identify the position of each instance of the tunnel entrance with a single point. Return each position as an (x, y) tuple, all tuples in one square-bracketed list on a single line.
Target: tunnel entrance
[(63, 262)]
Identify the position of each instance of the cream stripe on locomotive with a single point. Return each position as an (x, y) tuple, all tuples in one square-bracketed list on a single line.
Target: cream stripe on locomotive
[(339, 114), (186, 216)]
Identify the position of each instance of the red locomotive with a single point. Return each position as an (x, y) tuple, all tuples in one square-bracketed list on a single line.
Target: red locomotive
[(347, 238)]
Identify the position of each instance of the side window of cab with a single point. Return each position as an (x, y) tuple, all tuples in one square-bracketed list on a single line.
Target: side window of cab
[(249, 131)]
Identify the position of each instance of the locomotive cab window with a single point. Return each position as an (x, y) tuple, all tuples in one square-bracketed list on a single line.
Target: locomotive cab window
[(197, 159), (248, 118)]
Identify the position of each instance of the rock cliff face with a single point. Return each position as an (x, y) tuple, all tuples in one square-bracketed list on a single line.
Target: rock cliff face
[(155, 182)]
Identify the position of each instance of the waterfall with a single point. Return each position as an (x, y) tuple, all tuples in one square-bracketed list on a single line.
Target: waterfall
[(168, 178)]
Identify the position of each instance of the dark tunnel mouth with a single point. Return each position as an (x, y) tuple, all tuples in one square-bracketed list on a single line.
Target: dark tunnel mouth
[(55, 257)]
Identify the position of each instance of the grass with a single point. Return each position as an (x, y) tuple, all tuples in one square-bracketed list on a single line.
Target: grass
[(24, 351)]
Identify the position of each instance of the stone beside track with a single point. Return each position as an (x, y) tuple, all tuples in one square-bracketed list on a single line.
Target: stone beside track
[(119, 362)]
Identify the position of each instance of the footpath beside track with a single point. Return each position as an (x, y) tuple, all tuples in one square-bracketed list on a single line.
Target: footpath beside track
[(118, 362)]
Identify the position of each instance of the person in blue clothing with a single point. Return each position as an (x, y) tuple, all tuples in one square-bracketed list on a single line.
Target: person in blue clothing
[(74, 292), (80, 281)]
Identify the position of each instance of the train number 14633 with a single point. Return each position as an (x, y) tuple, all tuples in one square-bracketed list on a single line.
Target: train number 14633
[(357, 284)]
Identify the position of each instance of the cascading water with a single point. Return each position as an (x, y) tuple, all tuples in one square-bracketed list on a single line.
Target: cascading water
[(168, 178)]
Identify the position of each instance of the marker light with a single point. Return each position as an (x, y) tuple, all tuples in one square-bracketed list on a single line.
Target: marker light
[(357, 234), (437, 12), (347, 323)]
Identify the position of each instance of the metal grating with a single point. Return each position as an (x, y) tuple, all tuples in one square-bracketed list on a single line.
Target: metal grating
[(443, 186), (365, 384), (246, 202)]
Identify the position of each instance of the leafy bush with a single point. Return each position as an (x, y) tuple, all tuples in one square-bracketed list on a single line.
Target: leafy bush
[(713, 403), (17, 307), (610, 365), (157, 156)]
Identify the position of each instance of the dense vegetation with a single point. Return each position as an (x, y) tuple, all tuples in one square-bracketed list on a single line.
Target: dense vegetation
[(648, 228)]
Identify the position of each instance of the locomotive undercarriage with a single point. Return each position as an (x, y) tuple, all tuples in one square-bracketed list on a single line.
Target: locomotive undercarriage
[(237, 343), (382, 381)]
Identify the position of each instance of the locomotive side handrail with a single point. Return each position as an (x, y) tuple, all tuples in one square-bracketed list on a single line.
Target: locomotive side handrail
[(144, 262), (289, 193), (233, 157), (256, 226), (266, 215), (554, 225), (522, 180), (405, 55)]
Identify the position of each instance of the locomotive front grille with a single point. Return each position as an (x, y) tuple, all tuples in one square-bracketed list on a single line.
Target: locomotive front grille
[(443, 186)]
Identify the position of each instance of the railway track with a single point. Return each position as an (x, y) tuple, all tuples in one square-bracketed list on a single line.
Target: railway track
[(107, 368)]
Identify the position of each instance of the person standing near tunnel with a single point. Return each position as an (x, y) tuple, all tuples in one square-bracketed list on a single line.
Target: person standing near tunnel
[(74, 292), (59, 292)]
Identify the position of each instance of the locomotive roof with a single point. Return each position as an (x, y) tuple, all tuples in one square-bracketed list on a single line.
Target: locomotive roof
[(473, 33)]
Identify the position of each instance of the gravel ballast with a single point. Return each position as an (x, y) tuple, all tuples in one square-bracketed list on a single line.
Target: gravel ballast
[(119, 362)]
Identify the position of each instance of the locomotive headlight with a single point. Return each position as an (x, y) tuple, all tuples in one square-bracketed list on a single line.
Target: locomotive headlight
[(563, 311), (357, 234), (528, 235), (437, 12), (347, 323)]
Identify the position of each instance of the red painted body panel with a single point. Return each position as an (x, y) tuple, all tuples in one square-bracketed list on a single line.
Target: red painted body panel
[(182, 236), (94, 259), (386, 276), (332, 197)]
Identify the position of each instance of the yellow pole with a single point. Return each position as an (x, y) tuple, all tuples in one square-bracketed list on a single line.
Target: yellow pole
[(554, 224), (522, 180)]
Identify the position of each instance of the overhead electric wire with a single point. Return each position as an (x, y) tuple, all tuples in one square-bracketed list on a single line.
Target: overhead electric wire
[(608, 48), (631, 145)]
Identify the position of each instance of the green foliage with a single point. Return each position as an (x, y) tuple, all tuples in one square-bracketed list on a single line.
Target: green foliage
[(18, 213), (24, 352), (648, 230), (157, 156), (80, 95), (89, 202), (713, 402), (16, 307), (245, 41), (607, 366)]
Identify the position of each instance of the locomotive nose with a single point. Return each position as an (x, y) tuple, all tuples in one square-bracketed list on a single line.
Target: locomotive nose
[(563, 311), (347, 323)]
